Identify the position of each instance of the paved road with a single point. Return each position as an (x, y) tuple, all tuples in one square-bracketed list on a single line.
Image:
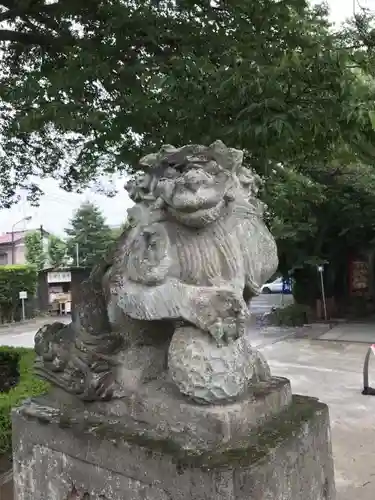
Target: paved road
[(22, 335), (264, 302), (332, 372)]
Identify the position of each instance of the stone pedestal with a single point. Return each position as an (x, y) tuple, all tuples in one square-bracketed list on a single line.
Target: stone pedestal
[(175, 450)]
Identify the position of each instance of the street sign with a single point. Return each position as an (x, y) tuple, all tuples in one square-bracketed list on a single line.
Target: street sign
[(23, 297)]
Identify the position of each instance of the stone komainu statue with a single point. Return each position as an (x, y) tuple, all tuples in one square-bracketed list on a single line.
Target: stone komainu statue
[(170, 302)]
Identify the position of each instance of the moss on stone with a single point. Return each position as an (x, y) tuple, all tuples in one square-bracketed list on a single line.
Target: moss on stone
[(65, 420), (262, 440), (257, 446)]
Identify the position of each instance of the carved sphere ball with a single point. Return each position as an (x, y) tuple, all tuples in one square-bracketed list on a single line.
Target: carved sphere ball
[(210, 374)]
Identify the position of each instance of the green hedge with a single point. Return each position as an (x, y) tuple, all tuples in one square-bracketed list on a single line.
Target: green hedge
[(291, 315), (13, 280), (28, 385)]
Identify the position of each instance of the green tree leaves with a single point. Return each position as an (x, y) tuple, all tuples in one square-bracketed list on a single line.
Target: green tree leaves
[(35, 254), (88, 90), (56, 251), (268, 76), (13, 280), (89, 237)]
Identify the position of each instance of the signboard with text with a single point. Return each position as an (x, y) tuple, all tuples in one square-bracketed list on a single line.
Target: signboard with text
[(59, 277), (359, 277)]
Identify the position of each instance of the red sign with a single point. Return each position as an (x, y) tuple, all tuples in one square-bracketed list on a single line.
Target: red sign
[(359, 277)]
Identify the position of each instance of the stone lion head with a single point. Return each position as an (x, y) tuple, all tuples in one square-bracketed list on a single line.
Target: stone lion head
[(194, 182)]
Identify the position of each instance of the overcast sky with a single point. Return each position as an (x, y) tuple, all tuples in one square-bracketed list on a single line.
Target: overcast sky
[(57, 207)]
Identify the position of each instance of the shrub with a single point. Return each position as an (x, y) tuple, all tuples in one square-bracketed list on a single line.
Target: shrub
[(9, 375), (28, 385), (292, 315), (13, 280)]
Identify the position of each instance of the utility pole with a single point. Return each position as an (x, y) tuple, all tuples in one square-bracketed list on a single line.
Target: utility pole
[(77, 254)]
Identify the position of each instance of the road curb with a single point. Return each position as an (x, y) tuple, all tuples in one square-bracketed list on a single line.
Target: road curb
[(314, 330)]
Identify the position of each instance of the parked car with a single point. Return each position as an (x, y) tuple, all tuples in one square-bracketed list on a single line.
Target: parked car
[(276, 286)]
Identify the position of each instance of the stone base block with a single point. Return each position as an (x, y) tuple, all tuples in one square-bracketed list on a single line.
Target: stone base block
[(287, 458), (161, 412)]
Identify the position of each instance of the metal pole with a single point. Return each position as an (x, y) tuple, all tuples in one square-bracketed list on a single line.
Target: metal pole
[(367, 390), (23, 309), (321, 269), (77, 254)]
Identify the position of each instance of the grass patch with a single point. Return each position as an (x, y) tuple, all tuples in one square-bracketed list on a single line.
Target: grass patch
[(28, 385)]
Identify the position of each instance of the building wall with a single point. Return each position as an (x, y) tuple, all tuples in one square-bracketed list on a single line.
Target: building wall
[(4, 257), (6, 254), (19, 252)]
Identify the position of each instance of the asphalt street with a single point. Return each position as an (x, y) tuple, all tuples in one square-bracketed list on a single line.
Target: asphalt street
[(264, 302), (22, 335)]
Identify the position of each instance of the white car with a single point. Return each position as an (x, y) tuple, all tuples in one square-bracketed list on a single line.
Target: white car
[(275, 287)]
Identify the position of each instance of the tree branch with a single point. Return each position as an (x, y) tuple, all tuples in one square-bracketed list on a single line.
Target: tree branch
[(29, 38), (32, 12), (8, 15), (25, 38)]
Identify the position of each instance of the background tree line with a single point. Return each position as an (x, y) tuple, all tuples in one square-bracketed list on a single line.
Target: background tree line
[(87, 240)]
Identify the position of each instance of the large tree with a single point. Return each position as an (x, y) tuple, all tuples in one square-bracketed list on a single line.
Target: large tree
[(322, 218), (56, 251), (34, 246), (87, 86), (89, 237)]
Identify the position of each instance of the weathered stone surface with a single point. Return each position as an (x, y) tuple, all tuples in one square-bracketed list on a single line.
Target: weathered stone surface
[(197, 250), (161, 413), (288, 458), (212, 377)]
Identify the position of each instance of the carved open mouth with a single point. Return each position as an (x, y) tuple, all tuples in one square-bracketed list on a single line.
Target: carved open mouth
[(190, 204), (191, 197)]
